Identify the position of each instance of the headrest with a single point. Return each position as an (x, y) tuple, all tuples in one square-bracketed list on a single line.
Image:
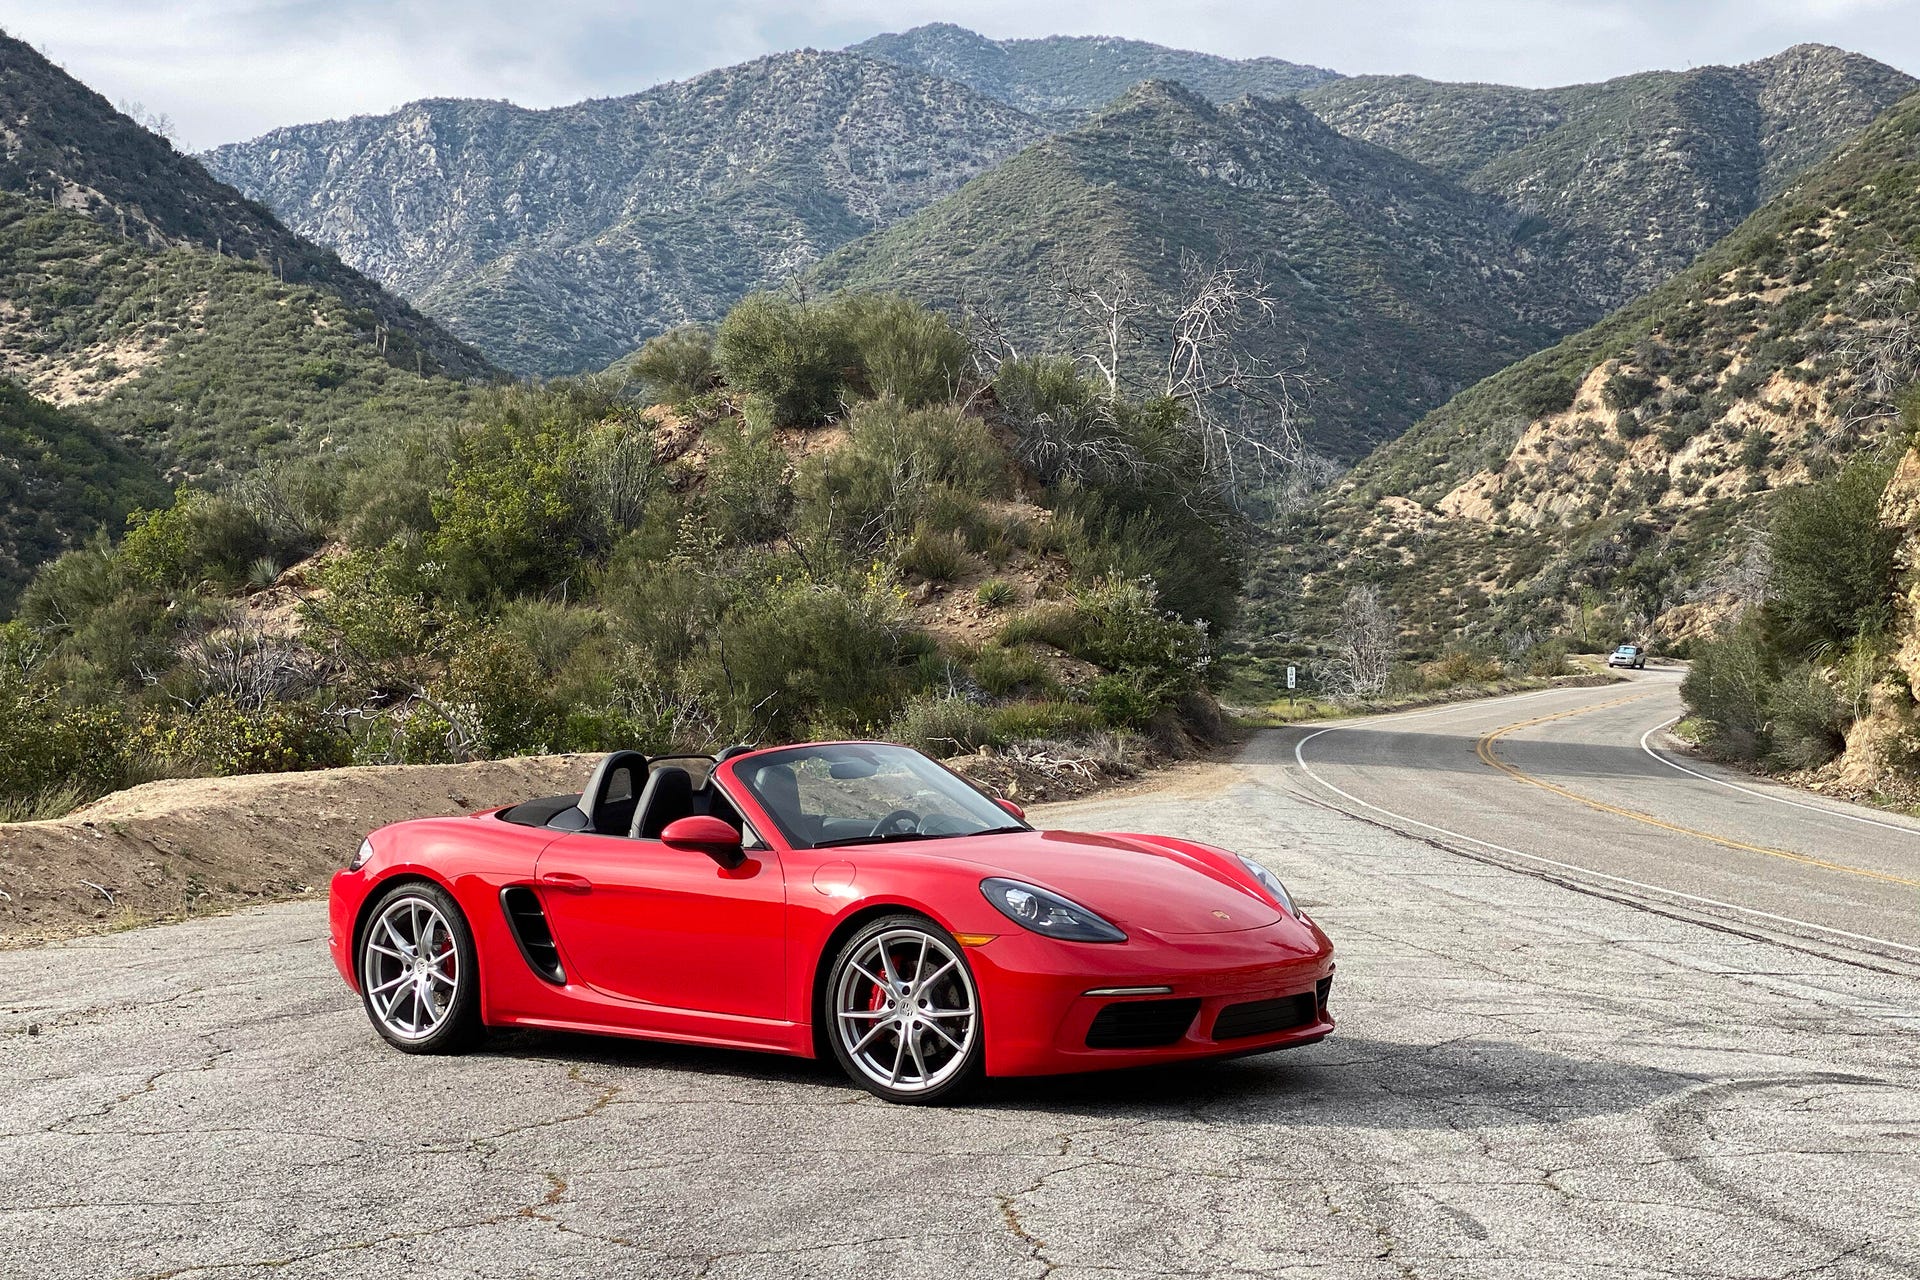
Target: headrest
[(669, 795), (608, 776)]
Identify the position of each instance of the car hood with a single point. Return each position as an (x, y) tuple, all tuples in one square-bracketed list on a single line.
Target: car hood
[(1132, 881)]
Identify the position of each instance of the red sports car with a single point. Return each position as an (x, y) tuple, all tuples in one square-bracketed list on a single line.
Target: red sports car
[(852, 898)]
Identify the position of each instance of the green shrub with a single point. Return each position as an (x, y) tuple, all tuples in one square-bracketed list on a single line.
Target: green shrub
[(1729, 690), (997, 593), (942, 726), (747, 496), (201, 537), (1809, 721), (495, 691), (796, 656), (1028, 721), (225, 738), (791, 354), (934, 555), (1833, 559), (1011, 671), (898, 468), (1058, 624), (904, 350), (677, 365), (54, 747), (1460, 666), (1627, 391)]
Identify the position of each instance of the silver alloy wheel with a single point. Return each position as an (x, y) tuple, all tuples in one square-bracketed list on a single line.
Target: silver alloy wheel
[(410, 967), (905, 1011)]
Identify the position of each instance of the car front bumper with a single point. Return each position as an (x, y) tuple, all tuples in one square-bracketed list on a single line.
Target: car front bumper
[(345, 893), (1039, 1013)]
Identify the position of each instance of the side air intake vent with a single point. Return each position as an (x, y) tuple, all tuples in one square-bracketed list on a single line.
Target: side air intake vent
[(528, 923)]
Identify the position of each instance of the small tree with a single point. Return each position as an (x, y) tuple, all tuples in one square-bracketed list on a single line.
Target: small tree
[(1833, 559), (676, 365), (792, 353)]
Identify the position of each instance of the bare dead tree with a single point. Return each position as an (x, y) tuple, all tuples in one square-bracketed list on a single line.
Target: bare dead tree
[(1109, 298), (1243, 410), (1884, 349), (1366, 644), (1745, 575), (254, 669)]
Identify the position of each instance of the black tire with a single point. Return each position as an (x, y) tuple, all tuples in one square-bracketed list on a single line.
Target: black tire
[(382, 959), (959, 1068)]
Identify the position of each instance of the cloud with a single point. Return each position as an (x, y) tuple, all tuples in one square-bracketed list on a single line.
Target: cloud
[(230, 69)]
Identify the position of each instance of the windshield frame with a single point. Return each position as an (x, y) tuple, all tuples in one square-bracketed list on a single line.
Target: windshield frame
[(930, 770)]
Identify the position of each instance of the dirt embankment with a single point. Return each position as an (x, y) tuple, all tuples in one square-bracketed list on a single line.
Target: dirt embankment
[(168, 850), (172, 849)]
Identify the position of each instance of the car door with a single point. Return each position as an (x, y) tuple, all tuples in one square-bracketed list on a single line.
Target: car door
[(664, 927)]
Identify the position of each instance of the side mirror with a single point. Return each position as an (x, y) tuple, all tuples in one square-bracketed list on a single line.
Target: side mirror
[(703, 833), (1012, 808)]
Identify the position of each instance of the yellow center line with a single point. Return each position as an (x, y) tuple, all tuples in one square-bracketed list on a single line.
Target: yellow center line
[(1490, 757)]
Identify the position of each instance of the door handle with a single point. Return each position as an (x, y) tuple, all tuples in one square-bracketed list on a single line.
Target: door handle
[(566, 882)]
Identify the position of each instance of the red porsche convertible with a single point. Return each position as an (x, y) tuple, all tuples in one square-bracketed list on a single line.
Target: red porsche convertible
[(852, 898)]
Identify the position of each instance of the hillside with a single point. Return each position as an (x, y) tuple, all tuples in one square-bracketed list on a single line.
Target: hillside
[(1061, 78), (559, 240), (1394, 286), (61, 480), (828, 528), (1612, 483), (1635, 176), (178, 314), (65, 144)]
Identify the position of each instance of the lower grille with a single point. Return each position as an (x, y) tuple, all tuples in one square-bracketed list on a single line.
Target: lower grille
[(1141, 1024), (1264, 1017)]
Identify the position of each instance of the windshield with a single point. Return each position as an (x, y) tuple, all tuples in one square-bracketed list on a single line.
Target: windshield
[(865, 792)]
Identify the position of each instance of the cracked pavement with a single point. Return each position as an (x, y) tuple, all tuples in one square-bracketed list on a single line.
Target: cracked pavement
[(1528, 1081)]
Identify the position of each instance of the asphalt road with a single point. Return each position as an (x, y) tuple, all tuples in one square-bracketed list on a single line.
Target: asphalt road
[(1540, 1072)]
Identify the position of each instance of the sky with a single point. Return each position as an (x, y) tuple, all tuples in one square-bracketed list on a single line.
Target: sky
[(227, 70)]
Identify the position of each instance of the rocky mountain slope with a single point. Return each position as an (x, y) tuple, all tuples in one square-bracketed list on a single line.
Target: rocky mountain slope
[(62, 143), (559, 240), (1614, 481), (1394, 287), (1062, 78), (177, 323), (61, 479), (1636, 176)]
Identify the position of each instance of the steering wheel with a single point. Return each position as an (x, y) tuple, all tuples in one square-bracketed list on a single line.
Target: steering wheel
[(891, 823)]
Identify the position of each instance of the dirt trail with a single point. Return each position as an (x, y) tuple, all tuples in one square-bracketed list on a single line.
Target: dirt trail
[(168, 850)]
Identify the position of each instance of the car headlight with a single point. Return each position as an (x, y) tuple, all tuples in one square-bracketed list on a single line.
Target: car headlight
[(1044, 912), (1270, 882), (360, 858)]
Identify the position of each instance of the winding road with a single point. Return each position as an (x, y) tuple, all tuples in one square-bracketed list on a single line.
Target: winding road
[(1578, 783), (1604, 1012)]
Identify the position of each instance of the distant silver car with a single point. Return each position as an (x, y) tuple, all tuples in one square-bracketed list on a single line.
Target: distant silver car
[(1628, 655)]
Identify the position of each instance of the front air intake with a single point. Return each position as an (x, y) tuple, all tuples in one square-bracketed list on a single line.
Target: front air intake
[(1264, 1017), (1141, 1024)]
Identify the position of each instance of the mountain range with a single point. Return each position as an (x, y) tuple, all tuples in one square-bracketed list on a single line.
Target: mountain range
[(1414, 237), (1496, 219), (1392, 285), (1626, 471), (1063, 78), (560, 240)]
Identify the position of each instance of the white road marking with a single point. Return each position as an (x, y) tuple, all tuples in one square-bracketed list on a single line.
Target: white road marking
[(1647, 747), (1300, 758)]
